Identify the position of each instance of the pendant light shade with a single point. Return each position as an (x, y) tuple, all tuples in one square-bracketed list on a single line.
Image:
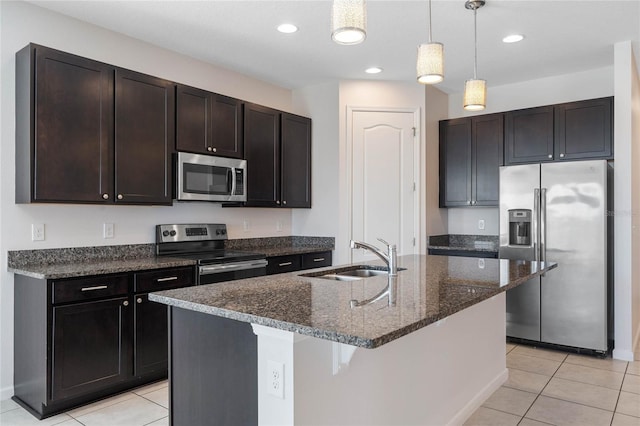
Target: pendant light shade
[(475, 90), (348, 21), (430, 63), (475, 95)]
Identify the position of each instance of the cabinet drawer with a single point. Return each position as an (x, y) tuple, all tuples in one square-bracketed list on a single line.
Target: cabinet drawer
[(77, 290), (316, 260), (163, 279), (280, 264)]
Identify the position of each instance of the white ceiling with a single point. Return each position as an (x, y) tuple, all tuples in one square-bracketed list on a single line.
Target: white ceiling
[(561, 36)]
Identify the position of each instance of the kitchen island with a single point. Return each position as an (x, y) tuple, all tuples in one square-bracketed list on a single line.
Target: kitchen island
[(429, 350)]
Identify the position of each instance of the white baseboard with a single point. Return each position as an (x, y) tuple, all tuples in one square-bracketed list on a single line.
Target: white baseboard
[(464, 414), (6, 393), (623, 355)]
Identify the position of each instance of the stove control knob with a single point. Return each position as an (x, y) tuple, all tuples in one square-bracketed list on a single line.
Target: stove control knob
[(172, 233), (218, 232), (224, 232), (165, 233)]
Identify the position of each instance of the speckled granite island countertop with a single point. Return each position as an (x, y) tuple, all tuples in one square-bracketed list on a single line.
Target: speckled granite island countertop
[(428, 290)]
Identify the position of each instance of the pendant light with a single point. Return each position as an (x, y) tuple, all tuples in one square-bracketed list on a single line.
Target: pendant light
[(475, 90), (348, 21), (430, 63)]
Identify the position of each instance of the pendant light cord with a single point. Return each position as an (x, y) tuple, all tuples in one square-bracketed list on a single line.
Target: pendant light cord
[(475, 44), (429, 21)]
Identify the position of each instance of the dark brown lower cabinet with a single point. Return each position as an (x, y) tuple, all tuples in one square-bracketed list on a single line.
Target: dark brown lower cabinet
[(91, 346), (77, 340), (297, 262)]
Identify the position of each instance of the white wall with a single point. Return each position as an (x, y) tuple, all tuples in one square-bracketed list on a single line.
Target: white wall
[(627, 201), (436, 109), (589, 84), (78, 225)]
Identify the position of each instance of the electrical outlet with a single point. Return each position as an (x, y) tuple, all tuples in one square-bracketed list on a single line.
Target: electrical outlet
[(481, 224), (275, 379), (107, 230), (481, 263), (279, 225), (246, 226), (37, 232)]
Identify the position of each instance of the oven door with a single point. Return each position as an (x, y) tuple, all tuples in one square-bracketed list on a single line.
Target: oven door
[(209, 178), (210, 274)]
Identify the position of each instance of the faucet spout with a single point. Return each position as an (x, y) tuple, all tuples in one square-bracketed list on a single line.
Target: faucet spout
[(390, 258)]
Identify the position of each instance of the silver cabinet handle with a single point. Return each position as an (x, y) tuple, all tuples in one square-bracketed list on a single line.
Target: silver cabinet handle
[(97, 287), (120, 197), (318, 259), (105, 196), (139, 300), (550, 156), (543, 224), (284, 202), (215, 150), (285, 264), (278, 202), (209, 149), (561, 155), (536, 222), (125, 303), (166, 279)]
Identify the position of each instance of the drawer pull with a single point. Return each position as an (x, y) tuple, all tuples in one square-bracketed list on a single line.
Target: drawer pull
[(125, 303), (98, 287), (167, 279), (285, 264), (318, 259), (139, 300)]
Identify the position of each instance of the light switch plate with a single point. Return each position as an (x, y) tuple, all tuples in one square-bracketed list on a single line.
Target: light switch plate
[(107, 230)]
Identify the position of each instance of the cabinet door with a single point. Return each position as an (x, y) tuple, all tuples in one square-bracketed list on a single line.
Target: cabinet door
[(193, 120), (295, 161), (455, 162), (262, 152), (72, 153), (487, 135), (91, 347), (529, 135), (150, 334), (144, 137), (583, 129), (280, 264), (226, 118)]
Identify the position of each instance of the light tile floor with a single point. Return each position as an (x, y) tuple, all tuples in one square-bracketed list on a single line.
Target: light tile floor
[(544, 388), (547, 387)]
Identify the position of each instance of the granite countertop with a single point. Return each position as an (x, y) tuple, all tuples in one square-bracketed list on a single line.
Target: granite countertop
[(475, 243), (98, 267), (430, 289)]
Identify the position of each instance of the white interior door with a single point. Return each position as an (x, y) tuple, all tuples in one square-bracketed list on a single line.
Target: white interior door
[(384, 175)]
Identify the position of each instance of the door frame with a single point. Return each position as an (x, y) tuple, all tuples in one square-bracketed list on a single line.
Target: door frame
[(416, 111)]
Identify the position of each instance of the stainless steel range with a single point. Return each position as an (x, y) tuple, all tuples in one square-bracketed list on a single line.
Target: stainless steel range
[(204, 243)]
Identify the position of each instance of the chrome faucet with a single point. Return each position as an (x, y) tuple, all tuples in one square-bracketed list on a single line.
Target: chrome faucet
[(390, 258)]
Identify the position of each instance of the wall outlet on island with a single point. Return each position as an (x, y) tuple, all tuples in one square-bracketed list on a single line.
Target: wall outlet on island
[(275, 379), (279, 225), (481, 224), (37, 232), (246, 226)]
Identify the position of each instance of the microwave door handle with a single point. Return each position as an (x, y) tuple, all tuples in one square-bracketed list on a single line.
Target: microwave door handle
[(233, 181)]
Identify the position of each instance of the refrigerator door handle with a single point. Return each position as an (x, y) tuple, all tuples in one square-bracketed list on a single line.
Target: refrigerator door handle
[(543, 224), (536, 221)]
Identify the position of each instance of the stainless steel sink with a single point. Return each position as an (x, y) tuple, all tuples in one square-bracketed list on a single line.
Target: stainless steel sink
[(358, 272)]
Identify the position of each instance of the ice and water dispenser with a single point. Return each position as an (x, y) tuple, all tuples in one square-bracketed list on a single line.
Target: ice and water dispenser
[(520, 227)]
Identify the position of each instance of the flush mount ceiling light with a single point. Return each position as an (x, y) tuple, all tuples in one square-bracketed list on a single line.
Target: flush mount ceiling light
[(475, 90), (348, 21), (513, 38), (430, 62), (373, 70), (287, 28)]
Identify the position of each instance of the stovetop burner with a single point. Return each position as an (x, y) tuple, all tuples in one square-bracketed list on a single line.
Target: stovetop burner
[(201, 242)]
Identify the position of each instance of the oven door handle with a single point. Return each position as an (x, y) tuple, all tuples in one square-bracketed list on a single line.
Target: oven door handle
[(228, 267)]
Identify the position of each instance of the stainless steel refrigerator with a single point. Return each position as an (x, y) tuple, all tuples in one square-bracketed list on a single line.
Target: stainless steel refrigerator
[(558, 212)]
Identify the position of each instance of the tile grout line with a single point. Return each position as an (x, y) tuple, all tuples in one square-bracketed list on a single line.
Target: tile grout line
[(543, 388)]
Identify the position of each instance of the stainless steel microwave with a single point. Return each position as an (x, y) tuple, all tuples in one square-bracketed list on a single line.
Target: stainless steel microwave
[(210, 178)]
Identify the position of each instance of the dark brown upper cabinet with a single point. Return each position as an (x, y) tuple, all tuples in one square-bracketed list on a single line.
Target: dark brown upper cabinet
[(571, 131), (278, 153), (529, 135), (208, 123), (584, 130), (87, 132), (470, 157), (144, 137)]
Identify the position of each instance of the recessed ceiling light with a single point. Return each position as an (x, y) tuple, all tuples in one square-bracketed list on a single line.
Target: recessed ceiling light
[(373, 70), (287, 28), (513, 38)]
